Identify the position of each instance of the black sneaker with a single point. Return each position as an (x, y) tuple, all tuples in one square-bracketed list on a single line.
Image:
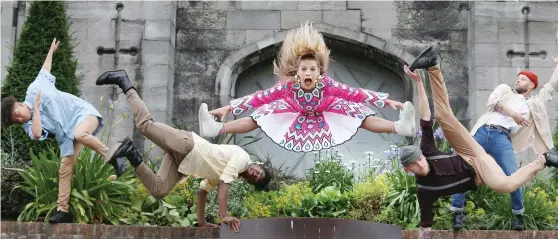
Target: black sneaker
[(61, 217), (457, 220), (519, 223), (427, 58)]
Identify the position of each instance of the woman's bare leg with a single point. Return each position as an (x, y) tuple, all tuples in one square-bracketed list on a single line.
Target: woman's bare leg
[(242, 125), (377, 125)]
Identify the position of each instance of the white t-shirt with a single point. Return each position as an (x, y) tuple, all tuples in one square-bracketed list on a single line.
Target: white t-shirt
[(517, 104)]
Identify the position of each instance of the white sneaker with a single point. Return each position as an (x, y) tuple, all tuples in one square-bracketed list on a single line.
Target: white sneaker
[(208, 126), (406, 126)]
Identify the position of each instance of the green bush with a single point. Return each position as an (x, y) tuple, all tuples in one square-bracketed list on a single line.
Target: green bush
[(177, 209), (262, 205), (330, 171), (328, 203), (13, 201), (46, 20), (96, 197), (369, 198)]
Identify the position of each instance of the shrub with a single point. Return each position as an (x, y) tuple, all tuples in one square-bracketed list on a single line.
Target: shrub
[(95, 197), (330, 171), (13, 201), (369, 197), (46, 20), (403, 204), (290, 197), (328, 203), (262, 205)]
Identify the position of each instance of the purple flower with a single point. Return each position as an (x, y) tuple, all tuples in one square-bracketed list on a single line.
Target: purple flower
[(387, 153), (439, 134)]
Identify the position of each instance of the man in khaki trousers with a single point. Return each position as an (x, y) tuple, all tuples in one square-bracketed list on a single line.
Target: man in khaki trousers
[(440, 176), (186, 154)]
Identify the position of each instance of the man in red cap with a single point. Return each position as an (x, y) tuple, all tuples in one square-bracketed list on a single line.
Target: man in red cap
[(440, 174), (514, 121)]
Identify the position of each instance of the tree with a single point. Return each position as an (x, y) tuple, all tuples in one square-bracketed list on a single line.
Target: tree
[(46, 20)]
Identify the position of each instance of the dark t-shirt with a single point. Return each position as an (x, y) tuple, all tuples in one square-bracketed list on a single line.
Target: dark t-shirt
[(449, 174)]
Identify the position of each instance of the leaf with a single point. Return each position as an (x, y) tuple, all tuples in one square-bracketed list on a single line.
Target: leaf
[(137, 203), (128, 221), (168, 205), (192, 217)]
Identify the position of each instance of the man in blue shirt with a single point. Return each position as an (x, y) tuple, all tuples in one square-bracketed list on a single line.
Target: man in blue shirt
[(73, 121)]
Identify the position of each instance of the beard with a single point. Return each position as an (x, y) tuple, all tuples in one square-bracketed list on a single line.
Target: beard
[(521, 90)]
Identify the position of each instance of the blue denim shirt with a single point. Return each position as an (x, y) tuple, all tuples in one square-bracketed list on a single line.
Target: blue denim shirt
[(60, 112)]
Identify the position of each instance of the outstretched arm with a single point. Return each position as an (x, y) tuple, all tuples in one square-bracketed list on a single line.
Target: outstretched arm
[(427, 142), (547, 91), (424, 106), (359, 95), (232, 222), (202, 198), (47, 65), (257, 99)]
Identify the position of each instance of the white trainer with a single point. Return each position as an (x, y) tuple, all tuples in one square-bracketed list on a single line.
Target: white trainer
[(208, 126), (406, 126)]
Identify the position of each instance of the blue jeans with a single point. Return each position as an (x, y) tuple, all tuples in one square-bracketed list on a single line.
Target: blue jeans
[(497, 144)]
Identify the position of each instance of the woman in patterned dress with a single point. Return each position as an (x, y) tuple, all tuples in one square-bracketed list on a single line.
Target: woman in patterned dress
[(307, 110)]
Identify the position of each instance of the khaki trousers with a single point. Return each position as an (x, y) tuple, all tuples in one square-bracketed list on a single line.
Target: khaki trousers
[(176, 144), (488, 172), (82, 137)]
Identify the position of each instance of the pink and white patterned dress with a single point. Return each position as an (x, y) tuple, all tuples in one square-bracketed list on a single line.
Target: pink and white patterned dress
[(303, 122)]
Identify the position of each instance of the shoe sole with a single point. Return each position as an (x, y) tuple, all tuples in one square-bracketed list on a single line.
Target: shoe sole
[(106, 72), (420, 56), (118, 148), (411, 109), (408, 109), (201, 111)]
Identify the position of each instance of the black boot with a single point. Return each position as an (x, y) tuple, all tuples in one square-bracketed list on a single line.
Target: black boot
[(127, 149), (427, 58), (457, 220), (118, 77), (61, 217), (119, 167), (551, 158), (519, 223)]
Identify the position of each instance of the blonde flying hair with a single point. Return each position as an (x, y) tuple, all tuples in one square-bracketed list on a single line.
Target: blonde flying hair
[(305, 42)]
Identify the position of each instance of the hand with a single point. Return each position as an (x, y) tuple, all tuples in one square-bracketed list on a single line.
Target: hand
[(498, 107), (54, 45), (414, 75), (518, 118), (394, 104), (38, 99), (555, 59), (221, 112), (233, 222), (207, 224), (424, 232)]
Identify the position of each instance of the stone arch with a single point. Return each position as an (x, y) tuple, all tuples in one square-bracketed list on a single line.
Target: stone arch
[(386, 53)]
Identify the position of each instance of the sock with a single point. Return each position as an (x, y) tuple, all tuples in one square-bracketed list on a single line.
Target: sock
[(222, 131)]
